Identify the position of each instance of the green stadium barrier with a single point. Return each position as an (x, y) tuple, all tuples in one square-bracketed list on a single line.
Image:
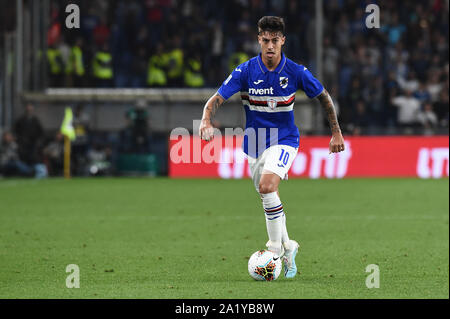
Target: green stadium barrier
[(137, 164)]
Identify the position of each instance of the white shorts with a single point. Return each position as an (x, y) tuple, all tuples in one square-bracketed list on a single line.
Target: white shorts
[(276, 159)]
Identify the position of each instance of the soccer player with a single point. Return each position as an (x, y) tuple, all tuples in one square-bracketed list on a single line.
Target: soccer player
[(268, 83)]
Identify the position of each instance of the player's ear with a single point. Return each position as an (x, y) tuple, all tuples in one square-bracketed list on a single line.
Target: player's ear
[(283, 39)]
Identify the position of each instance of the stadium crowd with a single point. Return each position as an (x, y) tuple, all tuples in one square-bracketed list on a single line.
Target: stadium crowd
[(396, 75)]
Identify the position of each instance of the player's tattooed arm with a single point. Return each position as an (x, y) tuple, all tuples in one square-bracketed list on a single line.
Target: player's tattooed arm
[(206, 130), (211, 106), (327, 103), (337, 140)]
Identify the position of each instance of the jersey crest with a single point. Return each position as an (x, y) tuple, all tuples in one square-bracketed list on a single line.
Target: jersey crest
[(283, 82)]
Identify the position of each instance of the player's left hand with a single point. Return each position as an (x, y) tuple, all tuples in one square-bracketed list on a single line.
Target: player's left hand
[(206, 130), (337, 143)]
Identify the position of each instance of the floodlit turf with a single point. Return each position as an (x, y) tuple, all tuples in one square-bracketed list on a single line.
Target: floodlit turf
[(163, 238)]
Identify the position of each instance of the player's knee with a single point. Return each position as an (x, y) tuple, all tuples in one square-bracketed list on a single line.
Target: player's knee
[(267, 187)]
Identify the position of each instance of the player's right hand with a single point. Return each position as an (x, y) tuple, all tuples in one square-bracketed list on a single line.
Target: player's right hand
[(206, 130), (337, 143)]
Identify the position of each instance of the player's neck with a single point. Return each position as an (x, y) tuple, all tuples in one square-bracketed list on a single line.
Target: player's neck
[(272, 65)]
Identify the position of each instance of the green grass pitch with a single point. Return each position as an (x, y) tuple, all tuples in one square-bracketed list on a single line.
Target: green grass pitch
[(166, 238)]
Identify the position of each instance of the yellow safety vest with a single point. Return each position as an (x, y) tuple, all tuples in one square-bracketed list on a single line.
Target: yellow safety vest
[(174, 63), (102, 66), (237, 59), (75, 61), (55, 61), (192, 74), (156, 75)]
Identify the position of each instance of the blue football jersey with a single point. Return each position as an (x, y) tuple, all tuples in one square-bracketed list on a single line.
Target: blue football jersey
[(268, 98)]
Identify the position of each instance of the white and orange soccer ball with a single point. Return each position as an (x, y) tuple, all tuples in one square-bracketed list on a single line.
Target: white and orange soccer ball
[(264, 265)]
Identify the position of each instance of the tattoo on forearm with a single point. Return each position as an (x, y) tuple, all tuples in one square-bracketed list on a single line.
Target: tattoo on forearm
[(327, 104), (212, 106)]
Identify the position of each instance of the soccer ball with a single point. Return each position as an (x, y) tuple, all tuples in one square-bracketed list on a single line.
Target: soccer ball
[(263, 265)]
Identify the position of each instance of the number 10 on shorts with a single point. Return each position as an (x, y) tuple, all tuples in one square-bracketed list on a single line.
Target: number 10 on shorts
[(284, 157)]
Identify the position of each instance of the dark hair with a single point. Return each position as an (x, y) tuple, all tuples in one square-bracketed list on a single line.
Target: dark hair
[(271, 24)]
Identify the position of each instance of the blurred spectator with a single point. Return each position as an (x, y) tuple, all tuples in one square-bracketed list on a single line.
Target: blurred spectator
[(391, 109), (135, 137), (156, 75), (54, 155), (410, 83), (358, 25), (102, 67), (420, 58), (237, 58), (428, 119), (434, 86), (54, 31), (397, 60), (10, 163), (89, 22), (175, 63), (422, 93), (374, 95), (408, 109), (342, 32), (330, 63), (101, 32), (391, 82), (138, 69), (99, 160), (217, 38), (193, 71), (355, 93), (442, 108), (55, 63), (142, 39), (360, 119), (394, 30), (250, 46), (126, 137), (82, 125), (75, 67), (30, 135)]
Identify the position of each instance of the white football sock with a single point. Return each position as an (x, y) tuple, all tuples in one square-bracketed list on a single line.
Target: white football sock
[(274, 222), (284, 233)]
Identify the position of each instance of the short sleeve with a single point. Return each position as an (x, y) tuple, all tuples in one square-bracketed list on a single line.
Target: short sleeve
[(233, 83), (308, 83)]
